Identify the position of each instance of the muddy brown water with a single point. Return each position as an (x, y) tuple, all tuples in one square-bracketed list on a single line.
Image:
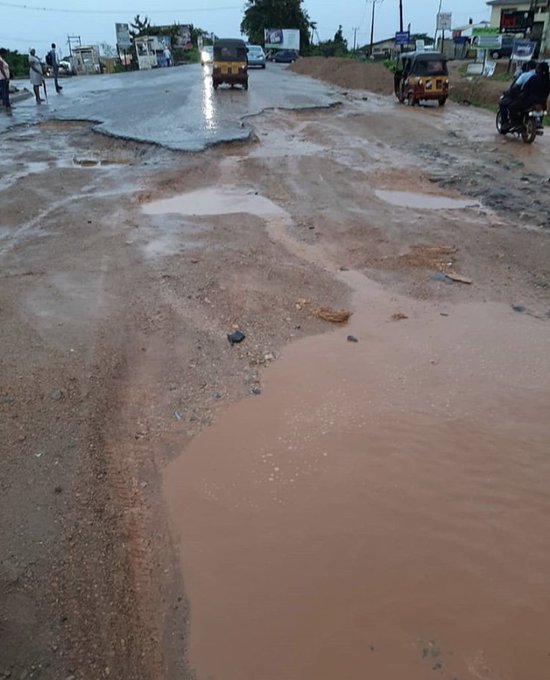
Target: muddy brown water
[(381, 510)]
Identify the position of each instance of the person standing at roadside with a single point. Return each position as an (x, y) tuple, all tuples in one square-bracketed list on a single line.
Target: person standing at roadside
[(53, 63), (4, 80), (36, 74), (168, 56)]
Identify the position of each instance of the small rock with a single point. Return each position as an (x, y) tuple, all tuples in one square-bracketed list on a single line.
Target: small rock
[(178, 415), (352, 338), (56, 394), (58, 489), (437, 666), (256, 390), (217, 395), (343, 268), (235, 337), (519, 308)]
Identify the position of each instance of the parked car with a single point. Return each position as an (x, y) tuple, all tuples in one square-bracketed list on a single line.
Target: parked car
[(285, 56), (256, 56), (506, 48), (207, 55)]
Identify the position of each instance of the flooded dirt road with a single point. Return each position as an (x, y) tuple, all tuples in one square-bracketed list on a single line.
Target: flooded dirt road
[(299, 505), (370, 514)]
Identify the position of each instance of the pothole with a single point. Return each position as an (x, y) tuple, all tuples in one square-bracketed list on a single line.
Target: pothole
[(410, 199), (216, 201)]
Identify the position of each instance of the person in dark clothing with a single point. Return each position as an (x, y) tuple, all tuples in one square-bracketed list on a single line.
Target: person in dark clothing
[(514, 91), (4, 80), (52, 61), (534, 93)]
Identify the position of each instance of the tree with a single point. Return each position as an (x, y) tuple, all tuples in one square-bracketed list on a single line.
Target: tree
[(140, 27), (262, 14), (340, 40)]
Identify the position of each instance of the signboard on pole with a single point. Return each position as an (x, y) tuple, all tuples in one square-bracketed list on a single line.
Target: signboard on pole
[(444, 21), (123, 36), (523, 50), (487, 38), (282, 39), (402, 38)]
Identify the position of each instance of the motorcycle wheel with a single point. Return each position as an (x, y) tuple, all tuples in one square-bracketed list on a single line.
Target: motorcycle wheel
[(500, 128), (529, 132)]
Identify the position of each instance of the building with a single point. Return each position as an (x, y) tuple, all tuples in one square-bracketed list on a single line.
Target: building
[(86, 60), (524, 19)]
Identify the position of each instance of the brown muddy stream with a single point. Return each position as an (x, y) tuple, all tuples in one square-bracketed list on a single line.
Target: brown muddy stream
[(381, 510)]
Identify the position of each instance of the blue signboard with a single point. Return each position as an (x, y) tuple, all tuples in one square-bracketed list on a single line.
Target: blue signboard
[(402, 38)]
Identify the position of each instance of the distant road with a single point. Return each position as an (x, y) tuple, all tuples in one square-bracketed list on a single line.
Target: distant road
[(175, 107)]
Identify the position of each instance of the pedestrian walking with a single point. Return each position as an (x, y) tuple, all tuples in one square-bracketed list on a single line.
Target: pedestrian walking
[(53, 62), (36, 74), (4, 80), (168, 56)]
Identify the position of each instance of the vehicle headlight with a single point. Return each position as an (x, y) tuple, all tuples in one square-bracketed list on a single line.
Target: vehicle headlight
[(420, 82)]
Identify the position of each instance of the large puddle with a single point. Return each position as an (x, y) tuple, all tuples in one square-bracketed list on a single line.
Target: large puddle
[(382, 509), (216, 201)]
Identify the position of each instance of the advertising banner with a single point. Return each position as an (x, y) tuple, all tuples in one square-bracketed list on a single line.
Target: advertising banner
[(487, 38), (123, 36), (282, 39), (182, 37)]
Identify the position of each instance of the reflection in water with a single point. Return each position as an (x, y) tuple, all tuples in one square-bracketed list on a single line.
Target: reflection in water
[(208, 102)]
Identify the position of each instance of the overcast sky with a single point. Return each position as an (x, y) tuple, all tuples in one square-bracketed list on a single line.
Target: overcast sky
[(93, 20)]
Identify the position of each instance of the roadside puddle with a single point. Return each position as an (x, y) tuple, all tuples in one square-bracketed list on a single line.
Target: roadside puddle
[(381, 510), (415, 201), (225, 200)]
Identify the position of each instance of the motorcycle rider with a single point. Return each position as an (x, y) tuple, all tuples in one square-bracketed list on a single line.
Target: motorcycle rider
[(534, 92), (514, 92)]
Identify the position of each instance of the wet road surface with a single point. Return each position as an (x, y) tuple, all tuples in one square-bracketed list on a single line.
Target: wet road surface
[(174, 107)]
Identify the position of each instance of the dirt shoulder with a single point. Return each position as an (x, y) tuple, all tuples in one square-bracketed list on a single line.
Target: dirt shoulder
[(114, 331), (375, 77)]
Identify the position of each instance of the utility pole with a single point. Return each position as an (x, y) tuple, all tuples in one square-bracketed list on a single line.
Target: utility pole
[(401, 21), (372, 25), (355, 29)]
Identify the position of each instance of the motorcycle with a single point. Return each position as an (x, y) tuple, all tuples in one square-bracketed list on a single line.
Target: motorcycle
[(528, 124)]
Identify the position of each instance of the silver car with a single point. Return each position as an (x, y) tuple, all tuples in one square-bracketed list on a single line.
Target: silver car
[(256, 56)]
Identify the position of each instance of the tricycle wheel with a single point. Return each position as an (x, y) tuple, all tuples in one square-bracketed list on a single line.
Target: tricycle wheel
[(215, 84), (411, 101), (442, 101), (245, 85)]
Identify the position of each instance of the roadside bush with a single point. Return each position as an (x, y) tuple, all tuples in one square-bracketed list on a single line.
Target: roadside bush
[(18, 63)]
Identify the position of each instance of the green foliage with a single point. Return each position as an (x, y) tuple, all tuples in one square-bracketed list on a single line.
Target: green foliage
[(337, 47), (18, 63), (262, 14), (140, 27)]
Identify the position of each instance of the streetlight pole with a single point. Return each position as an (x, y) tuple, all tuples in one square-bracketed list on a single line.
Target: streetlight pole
[(372, 25)]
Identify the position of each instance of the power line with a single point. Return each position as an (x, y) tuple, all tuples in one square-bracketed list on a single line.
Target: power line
[(117, 11)]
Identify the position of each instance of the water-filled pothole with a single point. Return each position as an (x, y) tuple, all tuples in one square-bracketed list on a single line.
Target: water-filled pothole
[(410, 199)]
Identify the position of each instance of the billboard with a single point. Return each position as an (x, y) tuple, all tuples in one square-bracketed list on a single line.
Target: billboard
[(282, 39), (123, 36), (181, 34), (487, 38)]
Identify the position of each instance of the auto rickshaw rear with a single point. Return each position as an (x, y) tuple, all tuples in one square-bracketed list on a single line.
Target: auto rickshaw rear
[(230, 63), (422, 76)]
